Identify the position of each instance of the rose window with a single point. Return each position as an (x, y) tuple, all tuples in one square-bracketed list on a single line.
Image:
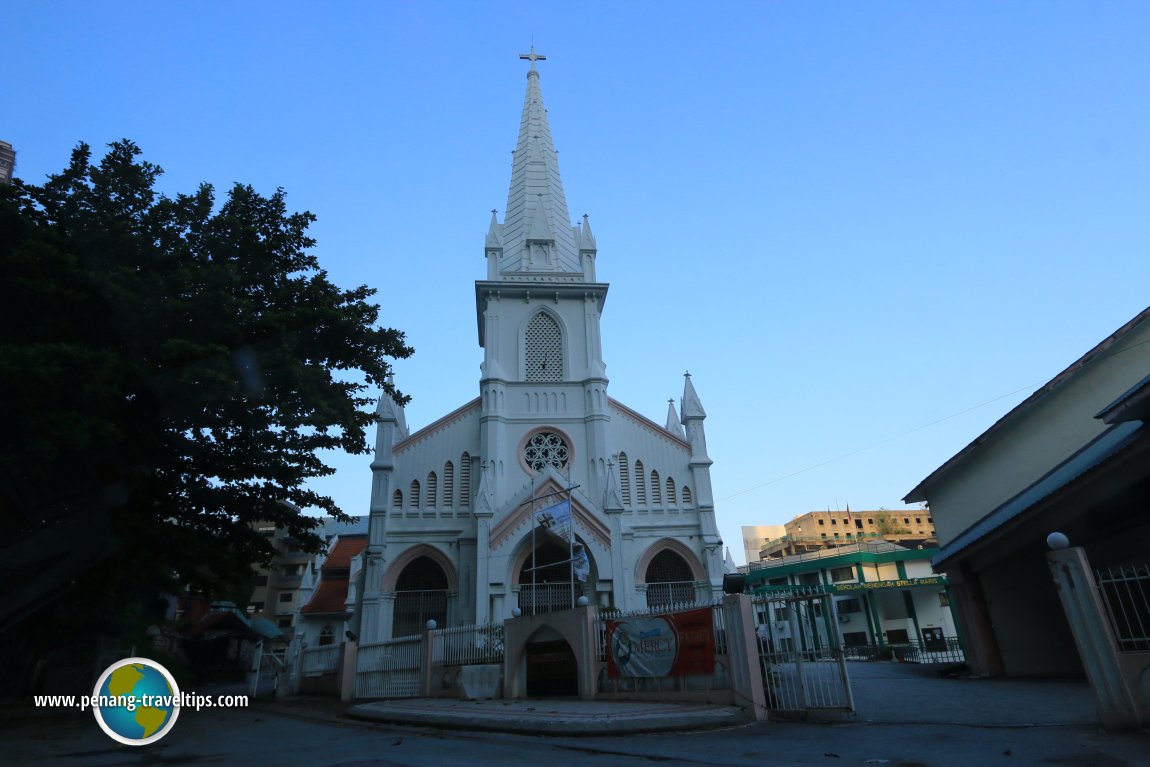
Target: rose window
[(545, 449)]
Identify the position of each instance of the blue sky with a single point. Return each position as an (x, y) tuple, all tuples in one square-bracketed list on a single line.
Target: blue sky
[(849, 221)]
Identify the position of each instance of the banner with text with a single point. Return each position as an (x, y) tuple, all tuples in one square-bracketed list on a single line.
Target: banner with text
[(665, 645)]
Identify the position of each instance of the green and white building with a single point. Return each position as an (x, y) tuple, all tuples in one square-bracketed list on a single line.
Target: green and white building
[(883, 594)]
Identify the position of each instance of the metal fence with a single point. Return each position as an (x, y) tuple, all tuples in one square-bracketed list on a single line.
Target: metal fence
[(467, 645), (548, 597), (413, 609), (390, 669), (800, 653), (663, 595), (1126, 593), (946, 650), (320, 660)]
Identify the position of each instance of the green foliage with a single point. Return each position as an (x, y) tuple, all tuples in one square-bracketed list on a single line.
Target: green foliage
[(172, 367), (887, 523)]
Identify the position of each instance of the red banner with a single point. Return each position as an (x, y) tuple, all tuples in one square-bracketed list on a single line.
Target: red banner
[(675, 644)]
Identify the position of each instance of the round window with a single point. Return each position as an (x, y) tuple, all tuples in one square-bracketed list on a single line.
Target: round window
[(546, 448)]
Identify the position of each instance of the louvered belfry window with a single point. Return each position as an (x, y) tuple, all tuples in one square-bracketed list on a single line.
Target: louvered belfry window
[(544, 349)]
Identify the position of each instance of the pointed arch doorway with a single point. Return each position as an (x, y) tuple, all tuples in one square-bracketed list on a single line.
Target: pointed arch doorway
[(550, 665)]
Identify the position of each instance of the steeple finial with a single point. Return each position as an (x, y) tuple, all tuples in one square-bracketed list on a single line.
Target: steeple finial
[(532, 57)]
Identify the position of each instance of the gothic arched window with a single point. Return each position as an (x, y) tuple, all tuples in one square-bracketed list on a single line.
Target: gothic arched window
[(543, 349), (669, 580), (448, 483), (420, 594), (624, 479), (465, 480)]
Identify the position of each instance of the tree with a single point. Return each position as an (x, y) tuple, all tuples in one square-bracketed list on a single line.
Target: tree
[(170, 369), (887, 524)]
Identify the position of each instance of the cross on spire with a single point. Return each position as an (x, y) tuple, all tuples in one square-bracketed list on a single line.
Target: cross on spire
[(532, 57)]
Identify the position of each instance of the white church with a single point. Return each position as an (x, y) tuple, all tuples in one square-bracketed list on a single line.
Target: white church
[(452, 534)]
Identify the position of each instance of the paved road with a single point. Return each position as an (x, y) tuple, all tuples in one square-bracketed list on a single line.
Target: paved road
[(988, 724)]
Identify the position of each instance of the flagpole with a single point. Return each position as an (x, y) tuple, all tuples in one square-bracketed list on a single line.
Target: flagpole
[(571, 541), (533, 584)]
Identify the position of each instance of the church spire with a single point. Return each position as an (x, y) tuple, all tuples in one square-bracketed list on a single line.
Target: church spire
[(536, 233), (674, 425), (691, 405)]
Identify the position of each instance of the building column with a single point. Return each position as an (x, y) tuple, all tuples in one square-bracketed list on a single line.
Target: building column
[(982, 651)]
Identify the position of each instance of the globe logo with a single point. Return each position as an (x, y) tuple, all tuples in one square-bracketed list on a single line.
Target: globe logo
[(136, 701)]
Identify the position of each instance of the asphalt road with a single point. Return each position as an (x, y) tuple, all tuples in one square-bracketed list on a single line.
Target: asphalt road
[(907, 718), (269, 735)]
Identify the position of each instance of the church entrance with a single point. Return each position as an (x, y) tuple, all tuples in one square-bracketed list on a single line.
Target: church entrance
[(551, 669)]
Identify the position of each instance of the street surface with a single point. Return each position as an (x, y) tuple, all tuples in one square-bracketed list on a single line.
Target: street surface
[(945, 722)]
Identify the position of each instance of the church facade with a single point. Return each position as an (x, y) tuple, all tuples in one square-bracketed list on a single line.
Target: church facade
[(453, 534)]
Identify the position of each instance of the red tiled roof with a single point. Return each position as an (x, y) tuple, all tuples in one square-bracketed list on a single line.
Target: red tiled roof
[(329, 597), (346, 548)]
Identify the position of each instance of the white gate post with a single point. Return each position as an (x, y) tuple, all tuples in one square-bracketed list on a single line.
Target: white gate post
[(743, 654), (1092, 633)]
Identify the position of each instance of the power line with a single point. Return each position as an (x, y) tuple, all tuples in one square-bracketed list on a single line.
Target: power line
[(1102, 355), (881, 442)]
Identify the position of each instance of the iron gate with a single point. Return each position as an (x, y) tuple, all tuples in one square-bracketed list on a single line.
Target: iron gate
[(800, 654)]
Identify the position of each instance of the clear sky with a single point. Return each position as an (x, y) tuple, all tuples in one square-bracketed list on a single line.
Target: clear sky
[(867, 229)]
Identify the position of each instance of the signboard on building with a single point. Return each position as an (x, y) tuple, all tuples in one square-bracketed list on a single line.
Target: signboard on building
[(676, 644), (847, 588), (904, 583)]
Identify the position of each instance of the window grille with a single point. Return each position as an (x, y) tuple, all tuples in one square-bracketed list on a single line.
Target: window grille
[(687, 499), (413, 499), (670, 491), (397, 499), (431, 490), (640, 484), (551, 588), (420, 595), (656, 491), (1126, 592), (669, 580), (544, 349)]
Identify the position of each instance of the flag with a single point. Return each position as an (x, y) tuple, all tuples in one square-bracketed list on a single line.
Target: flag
[(556, 520), (580, 564)]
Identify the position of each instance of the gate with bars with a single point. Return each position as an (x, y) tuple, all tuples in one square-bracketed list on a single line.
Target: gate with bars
[(800, 654), (390, 669)]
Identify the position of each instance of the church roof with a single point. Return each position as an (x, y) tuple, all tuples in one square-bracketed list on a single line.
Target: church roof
[(346, 548), (536, 206)]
